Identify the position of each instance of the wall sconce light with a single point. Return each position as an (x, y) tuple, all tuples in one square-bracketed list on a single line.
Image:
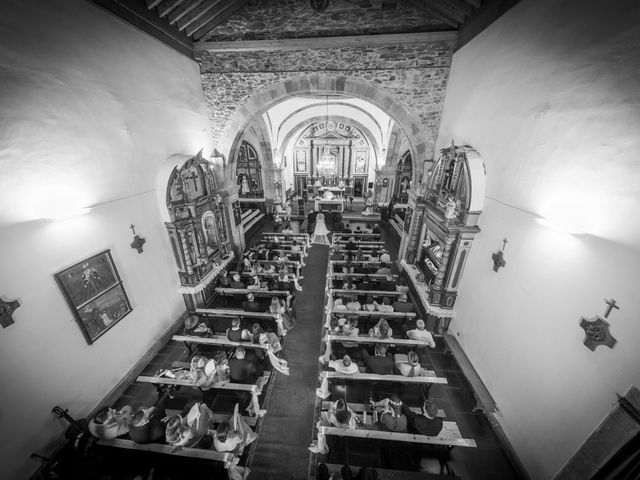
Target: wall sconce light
[(138, 241), (498, 257)]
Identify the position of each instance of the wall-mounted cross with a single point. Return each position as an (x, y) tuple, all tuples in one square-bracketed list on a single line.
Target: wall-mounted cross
[(132, 227), (611, 304), (504, 243)]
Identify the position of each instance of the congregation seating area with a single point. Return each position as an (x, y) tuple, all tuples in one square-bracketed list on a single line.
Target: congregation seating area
[(375, 347)]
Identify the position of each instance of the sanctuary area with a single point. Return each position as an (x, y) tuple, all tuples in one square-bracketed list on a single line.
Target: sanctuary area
[(319, 239)]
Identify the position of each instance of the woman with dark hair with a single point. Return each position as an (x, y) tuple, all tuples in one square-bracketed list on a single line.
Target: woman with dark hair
[(340, 415)]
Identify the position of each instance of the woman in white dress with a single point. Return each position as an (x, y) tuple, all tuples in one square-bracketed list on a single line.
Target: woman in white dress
[(320, 234)]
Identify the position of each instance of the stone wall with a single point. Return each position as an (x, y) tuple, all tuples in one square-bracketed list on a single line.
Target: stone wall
[(277, 19), (414, 75)]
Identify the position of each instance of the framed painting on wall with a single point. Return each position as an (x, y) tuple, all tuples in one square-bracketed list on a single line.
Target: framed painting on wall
[(361, 162), (95, 294), (301, 161)]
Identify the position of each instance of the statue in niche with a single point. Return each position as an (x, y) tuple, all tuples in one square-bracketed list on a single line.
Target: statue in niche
[(450, 209), (175, 191), (244, 185)]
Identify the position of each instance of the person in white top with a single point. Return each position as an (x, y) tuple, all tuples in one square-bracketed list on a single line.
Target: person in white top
[(385, 257), (338, 306), (409, 365), (354, 305), (345, 365), (420, 333)]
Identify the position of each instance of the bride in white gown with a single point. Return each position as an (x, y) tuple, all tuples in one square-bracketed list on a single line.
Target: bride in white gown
[(320, 234)]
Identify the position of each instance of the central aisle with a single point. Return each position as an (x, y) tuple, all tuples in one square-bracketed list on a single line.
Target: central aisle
[(281, 452)]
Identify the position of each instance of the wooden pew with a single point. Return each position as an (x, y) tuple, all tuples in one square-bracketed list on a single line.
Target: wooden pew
[(242, 387), (201, 453), (387, 474), (220, 417), (365, 339), (288, 235), (373, 377), (266, 274), (449, 436), (356, 235), (375, 293), (373, 243), (257, 292), (371, 263), (234, 312), (364, 407), (217, 340), (362, 313), (373, 276)]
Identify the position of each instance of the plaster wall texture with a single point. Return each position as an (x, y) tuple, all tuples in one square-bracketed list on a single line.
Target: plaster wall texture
[(277, 19), (89, 108), (84, 99), (414, 75), (549, 97)]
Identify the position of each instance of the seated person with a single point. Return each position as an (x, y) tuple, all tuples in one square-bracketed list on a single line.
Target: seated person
[(255, 283), (380, 363), (242, 369), (339, 415), (385, 305), (269, 268), (282, 257), (374, 256), (359, 255), (349, 285), (421, 333), (225, 279), (387, 285), (401, 286), (258, 335), (376, 229), (381, 329), (369, 304), (367, 284), (345, 365), (246, 263), (236, 282), (250, 305), (351, 244), (233, 435), (295, 247), (264, 254), (236, 333), (354, 305), (409, 365), (424, 423), (338, 306), (402, 305), (385, 257), (384, 270), (278, 305), (350, 329), (392, 417), (347, 229)]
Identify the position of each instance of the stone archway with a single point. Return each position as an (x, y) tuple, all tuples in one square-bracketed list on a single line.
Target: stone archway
[(322, 84)]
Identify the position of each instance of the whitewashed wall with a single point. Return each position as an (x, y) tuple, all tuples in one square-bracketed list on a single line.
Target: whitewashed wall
[(549, 97), (89, 108)]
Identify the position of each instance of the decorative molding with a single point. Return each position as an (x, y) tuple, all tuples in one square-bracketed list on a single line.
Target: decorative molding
[(208, 278), (324, 42)]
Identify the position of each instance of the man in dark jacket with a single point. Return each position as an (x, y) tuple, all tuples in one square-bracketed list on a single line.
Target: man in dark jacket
[(250, 305), (241, 369), (424, 423), (381, 362), (402, 305)]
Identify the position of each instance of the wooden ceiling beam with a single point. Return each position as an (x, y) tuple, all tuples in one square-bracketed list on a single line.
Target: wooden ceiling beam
[(462, 6), (178, 13), (202, 15), (474, 3), (432, 12), (153, 3), (446, 8), (227, 8), (167, 6)]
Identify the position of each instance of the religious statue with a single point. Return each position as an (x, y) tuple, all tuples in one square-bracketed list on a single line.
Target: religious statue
[(450, 209), (244, 185)]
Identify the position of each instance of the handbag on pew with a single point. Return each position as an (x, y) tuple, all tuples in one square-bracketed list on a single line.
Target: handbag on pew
[(146, 425)]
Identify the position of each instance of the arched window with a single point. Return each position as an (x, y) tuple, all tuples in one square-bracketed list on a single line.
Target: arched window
[(249, 171)]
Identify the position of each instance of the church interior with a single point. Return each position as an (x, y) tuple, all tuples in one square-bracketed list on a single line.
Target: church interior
[(260, 239)]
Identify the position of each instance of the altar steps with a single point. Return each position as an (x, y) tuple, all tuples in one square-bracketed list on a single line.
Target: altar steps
[(251, 218)]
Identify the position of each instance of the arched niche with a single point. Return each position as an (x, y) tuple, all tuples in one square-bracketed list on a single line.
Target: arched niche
[(324, 84)]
